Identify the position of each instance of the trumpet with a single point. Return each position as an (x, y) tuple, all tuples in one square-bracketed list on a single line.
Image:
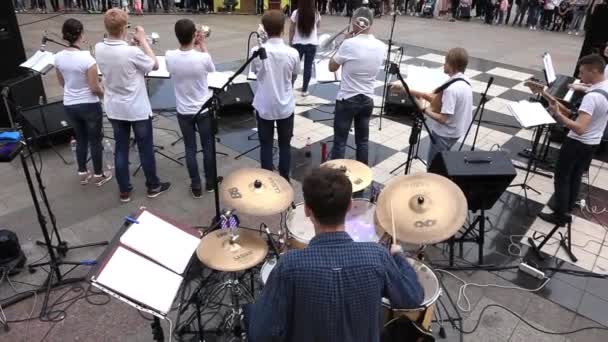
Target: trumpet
[(152, 38), (204, 30)]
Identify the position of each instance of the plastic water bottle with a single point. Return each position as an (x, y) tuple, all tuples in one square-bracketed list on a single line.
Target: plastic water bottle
[(73, 147), (307, 152), (108, 154)]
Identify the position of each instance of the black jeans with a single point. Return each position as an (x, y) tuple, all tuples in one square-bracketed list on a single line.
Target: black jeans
[(547, 18), (86, 118), (574, 159), (358, 108), (308, 51), (188, 126), (284, 133)]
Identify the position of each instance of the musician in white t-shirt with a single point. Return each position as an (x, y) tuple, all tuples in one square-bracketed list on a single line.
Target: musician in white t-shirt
[(360, 58), (189, 66), (303, 36), (586, 131), (126, 100)]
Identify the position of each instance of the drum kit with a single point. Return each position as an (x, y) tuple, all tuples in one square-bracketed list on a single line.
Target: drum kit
[(418, 209)]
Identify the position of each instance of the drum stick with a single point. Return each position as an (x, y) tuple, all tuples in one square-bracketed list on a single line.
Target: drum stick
[(393, 221)]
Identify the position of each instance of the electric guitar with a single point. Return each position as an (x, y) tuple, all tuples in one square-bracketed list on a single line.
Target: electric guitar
[(538, 88)]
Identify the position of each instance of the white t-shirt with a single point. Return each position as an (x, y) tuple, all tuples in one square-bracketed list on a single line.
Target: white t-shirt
[(606, 73), (189, 71), (123, 68), (74, 66), (595, 105), (274, 98), (360, 58), (298, 38), (457, 103)]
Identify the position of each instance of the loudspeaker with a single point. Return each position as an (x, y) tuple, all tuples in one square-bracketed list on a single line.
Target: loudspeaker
[(11, 44), (237, 99), (398, 103), (45, 121), (482, 176), (24, 91)]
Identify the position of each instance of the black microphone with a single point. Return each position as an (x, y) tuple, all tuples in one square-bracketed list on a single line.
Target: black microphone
[(274, 247), (414, 133)]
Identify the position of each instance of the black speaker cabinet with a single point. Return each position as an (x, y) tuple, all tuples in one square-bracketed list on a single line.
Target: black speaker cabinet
[(11, 44), (482, 176), (398, 103), (24, 91), (237, 99), (45, 121)]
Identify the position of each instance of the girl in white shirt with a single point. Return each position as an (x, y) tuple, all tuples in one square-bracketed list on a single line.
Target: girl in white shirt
[(303, 36), (77, 74)]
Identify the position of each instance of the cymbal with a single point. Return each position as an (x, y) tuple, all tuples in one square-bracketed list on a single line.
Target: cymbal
[(359, 174), (427, 208), (217, 252), (256, 192)]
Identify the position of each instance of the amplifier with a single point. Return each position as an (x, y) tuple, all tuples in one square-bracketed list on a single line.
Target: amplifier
[(237, 99), (398, 103), (482, 176), (45, 121)]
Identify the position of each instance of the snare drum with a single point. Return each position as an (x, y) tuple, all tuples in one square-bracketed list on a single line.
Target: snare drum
[(266, 269), (424, 314), (359, 225)]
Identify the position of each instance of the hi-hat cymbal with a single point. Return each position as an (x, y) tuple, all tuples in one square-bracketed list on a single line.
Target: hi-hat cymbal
[(217, 252), (256, 192), (359, 174), (427, 208)]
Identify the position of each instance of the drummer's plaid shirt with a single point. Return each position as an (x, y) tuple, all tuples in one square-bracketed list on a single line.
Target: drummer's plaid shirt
[(331, 291)]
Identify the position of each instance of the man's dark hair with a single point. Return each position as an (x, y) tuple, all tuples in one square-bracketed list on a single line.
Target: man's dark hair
[(273, 22), (185, 31), (594, 62), (327, 192)]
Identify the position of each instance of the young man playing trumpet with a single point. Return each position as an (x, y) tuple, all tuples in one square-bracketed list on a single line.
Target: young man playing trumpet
[(189, 66), (126, 100), (450, 106), (274, 101)]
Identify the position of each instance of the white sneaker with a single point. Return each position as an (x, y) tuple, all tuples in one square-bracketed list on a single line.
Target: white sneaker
[(102, 179), (570, 32), (84, 177), (305, 93), (576, 34)]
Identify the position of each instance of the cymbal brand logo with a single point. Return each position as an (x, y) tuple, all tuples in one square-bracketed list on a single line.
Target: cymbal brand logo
[(425, 223), (234, 193), (275, 186)]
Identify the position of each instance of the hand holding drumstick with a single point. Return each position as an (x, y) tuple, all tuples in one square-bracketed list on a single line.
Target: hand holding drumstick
[(395, 247)]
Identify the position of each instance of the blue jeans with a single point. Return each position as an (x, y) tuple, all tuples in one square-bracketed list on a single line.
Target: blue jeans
[(188, 126), (441, 144), (86, 118), (142, 130), (358, 108), (266, 133), (533, 13), (308, 51)]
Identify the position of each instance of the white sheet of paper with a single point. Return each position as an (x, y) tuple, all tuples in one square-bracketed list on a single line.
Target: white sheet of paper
[(216, 80), (323, 75), (251, 76), (41, 61), (530, 114), (424, 79), (140, 279), (549, 69), (162, 71), (161, 241)]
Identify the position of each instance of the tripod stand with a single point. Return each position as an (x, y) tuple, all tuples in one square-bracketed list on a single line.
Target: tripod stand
[(479, 110), (532, 159), (387, 70), (419, 122)]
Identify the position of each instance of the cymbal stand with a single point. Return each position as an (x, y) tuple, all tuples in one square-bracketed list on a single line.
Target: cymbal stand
[(419, 122)]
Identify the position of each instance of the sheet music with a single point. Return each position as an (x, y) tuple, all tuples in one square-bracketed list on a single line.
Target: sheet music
[(162, 71), (140, 279), (161, 241), (323, 75), (424, 79), (530, 114), (217, 79), (41, 61), (549, 70)]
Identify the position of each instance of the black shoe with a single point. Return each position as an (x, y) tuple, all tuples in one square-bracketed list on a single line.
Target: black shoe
[(209, 187), (196, 193), (558, 219), (159, 190)]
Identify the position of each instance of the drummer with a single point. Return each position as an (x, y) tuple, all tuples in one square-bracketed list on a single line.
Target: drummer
[(332, 289)]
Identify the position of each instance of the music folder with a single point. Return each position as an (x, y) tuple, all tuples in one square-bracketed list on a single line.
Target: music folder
[(530, 114), (41, 61)]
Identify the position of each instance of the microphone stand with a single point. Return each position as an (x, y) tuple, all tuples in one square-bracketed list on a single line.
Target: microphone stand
[(386, 69), (46, 39), (212, 104), (419, 122), (479, 110)]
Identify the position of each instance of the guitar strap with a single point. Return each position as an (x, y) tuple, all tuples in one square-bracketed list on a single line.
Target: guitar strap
[(449, 83), (600, 91)]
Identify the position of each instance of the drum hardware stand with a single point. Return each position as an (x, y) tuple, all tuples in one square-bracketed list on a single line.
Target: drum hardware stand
[(387, 69), (419, 122), (479, 239), (565, 241), (157, 151), (480, 108)]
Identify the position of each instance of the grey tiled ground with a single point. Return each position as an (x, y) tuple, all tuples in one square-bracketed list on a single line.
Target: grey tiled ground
[(87, 214)]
